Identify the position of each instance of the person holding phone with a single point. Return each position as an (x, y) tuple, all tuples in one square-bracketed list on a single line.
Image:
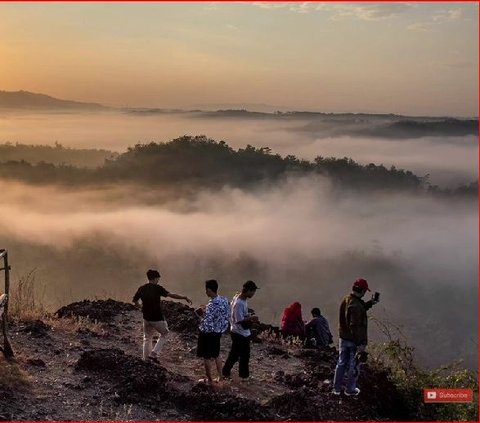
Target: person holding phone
[(353, 327), (241, 321)]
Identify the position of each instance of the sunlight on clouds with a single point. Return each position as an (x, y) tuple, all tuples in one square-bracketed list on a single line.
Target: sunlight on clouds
[(440, 17), (448, 15), (420, 27), (367, 12), (232, 27), (305, 55)]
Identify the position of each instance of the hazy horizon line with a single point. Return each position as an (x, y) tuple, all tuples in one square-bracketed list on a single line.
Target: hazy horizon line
[(217, 107)]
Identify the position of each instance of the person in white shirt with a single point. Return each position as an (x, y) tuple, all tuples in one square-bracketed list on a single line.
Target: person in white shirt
[(241, 321)]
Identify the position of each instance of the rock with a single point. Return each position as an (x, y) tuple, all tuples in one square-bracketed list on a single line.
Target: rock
[(278, 351), (101, 310), (36, 328), (279, 376), (180, 317), (134, 381), (36, 362), (297, 380)]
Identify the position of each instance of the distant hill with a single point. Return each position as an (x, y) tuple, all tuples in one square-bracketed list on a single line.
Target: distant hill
[(189, 163), (55, 154), (28, 100)]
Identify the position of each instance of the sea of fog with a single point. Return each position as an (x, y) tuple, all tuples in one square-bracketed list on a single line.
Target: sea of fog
[(300, 240), (450, 161)]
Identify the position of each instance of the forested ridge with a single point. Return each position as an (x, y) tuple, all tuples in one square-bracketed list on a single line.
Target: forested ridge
[(199, 161)]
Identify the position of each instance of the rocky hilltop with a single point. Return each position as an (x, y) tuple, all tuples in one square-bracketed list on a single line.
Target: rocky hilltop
[(84, 363)]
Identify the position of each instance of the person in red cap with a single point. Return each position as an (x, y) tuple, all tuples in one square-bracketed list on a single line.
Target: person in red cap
[(353, 337)]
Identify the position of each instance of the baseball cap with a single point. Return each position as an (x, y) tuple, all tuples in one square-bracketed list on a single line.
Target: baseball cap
[(250, 286), (361, 283)]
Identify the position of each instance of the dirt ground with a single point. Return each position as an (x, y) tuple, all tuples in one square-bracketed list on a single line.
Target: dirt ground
[(85, 363)]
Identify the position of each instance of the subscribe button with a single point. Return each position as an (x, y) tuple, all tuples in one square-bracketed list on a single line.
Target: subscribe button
[(447, 395)]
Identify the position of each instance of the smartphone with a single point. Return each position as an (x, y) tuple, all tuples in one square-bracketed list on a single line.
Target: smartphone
[(376, 296)]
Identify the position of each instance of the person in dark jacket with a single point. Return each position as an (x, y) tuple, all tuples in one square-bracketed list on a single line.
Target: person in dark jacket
[(353, 326), (318, 330), (153, 318)]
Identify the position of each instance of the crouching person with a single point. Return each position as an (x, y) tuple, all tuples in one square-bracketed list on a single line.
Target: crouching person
[(214, 322)]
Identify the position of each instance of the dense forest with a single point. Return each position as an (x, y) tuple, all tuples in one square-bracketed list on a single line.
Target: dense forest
[(201, 162), (56, 154)]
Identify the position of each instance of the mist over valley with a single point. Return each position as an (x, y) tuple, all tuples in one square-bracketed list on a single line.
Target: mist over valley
[(305, 146), (442, 147), (197, 209)]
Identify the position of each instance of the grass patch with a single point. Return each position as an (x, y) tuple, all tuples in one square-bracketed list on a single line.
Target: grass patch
[(12, 377), (399, 358), (26, 298), (26, 304), (76, 324)]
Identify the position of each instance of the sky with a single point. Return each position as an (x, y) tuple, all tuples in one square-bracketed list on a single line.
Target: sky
[(408, 58)]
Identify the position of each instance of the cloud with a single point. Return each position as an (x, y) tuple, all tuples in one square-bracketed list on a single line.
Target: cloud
[(366, 12), (421, 27), (213, 5), (232, 27), (298, 239), (455, 64), (272, 5), (440, 17), (448, 15)]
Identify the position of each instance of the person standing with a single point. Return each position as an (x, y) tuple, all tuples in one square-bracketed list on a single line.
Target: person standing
[(214, 322), (353, 324), (153, 319), (240, 324)]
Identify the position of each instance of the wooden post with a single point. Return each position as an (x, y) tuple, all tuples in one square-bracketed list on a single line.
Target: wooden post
[(7, 348)]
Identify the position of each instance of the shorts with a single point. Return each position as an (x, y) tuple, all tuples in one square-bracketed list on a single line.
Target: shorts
[(208, 345)]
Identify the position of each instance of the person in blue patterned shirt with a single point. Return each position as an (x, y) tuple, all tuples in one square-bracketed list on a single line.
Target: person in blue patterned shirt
[(214, 322)]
